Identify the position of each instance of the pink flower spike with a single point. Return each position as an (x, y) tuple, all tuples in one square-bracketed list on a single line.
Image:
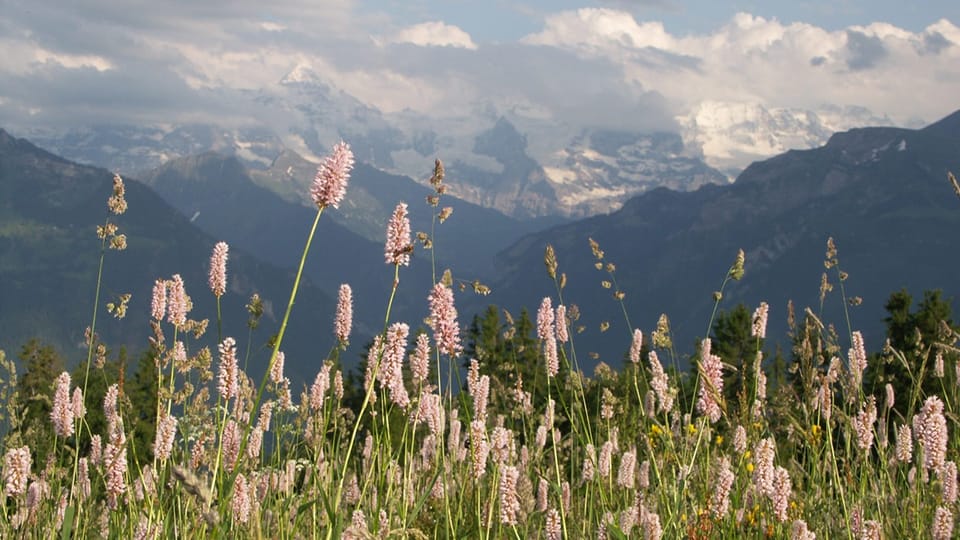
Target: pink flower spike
[(398, 246), (218, 269), (330, 184)]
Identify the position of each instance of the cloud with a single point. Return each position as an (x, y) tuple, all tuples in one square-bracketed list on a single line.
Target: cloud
[(435, 33), (87, 61), (864, 51)]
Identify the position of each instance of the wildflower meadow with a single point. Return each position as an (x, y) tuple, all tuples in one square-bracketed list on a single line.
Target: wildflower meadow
[(445, 435)]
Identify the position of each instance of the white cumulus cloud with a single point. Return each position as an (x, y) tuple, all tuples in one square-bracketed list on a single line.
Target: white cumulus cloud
[(435, 34)]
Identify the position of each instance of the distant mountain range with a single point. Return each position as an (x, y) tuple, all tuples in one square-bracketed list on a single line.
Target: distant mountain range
[(510, 159), (881, 193)]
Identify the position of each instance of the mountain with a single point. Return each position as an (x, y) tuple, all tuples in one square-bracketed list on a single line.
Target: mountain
[(881, 193), (731, 135), (49, 252), (468, 240)]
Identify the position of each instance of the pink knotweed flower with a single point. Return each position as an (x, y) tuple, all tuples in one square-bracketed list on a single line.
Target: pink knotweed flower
[(473, 376), (606, 457), (158, 305), (891, 398), (930, 428), (338, 385), (218, 269), (430, 408), (904, 444), (457, 451), (62, 413), (545, 319), (799, 531), (863, 424), (740, 439), (115, 468), (723, 481), (651, 527), (857, 356), (343, 322), (550, 354), (16, 470), (398, 246), (481, 397), (509, 500), (942, 524), (660, 383), (77, 405), (443, 320), (479, 449), (643, 475), (110, 410), (276, 370), (228, 376), (589, 461), (781, 493), (711, 383), (763, 472), (561, 323), (420, 359), (96, 449), (83, 478), (759, 328), (318, 391), (240, 501), (543, 489), (178, 302), (231, 443), (636, 345), (628, 470), (166, 432), (391, 370), (554, 528), (948, 478), (255, 443), (938, 364), (330, 184)]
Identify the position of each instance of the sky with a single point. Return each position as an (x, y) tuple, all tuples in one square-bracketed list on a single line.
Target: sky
[(632, 64)]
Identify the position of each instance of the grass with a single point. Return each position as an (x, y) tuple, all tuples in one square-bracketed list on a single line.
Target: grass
[(521, 452)]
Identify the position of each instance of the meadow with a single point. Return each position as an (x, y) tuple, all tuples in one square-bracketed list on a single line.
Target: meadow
[(505, 437)]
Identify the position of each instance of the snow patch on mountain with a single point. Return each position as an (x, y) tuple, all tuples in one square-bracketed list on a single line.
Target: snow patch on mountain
[(731, 135)]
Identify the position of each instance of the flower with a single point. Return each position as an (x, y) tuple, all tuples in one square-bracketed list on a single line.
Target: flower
[(398, 246), (391, 371), (759, 328), (509, 500), (218, 269), (942, 524), (178, 303), (711, 383), (16, 470), (561, 323), (420, 359), (158, 306), (635, 346), (443, 320), (343, 322), (857, 356), (330, 184), (930, 428), (62, 413), (228, 380), (240, 502), (166, 431), (723, 481)]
